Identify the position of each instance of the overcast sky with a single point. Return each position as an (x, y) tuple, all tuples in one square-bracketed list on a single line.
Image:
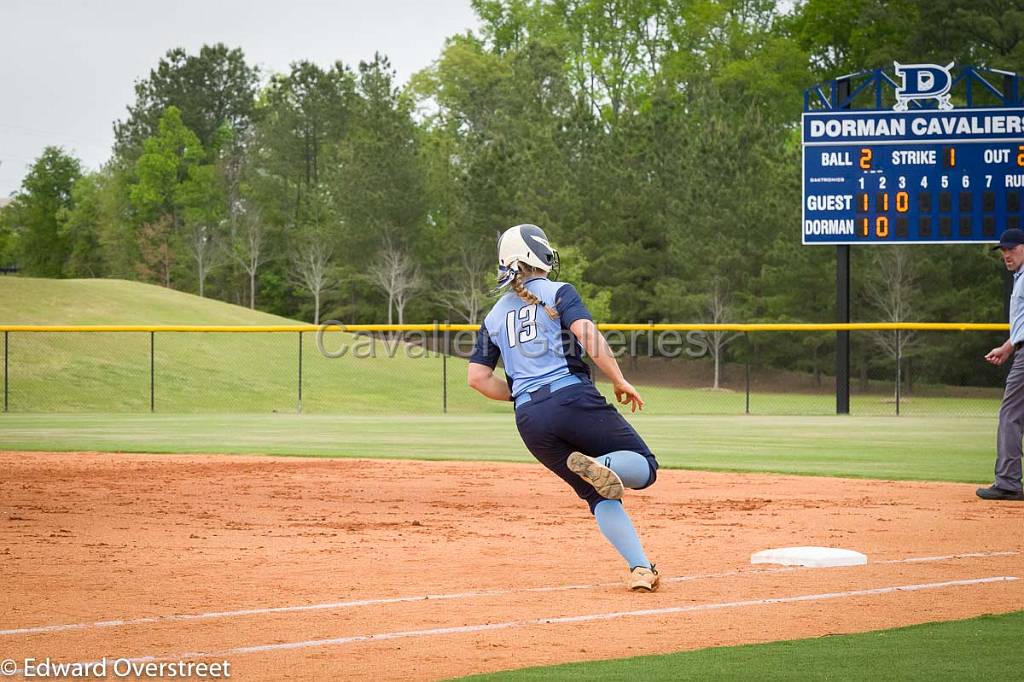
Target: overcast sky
[(67, 67)]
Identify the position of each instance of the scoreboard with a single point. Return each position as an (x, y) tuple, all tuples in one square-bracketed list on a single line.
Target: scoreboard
[(924, 176)]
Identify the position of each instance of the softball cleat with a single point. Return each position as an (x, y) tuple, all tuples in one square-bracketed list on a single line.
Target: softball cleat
[(643, 579), (605, 481)]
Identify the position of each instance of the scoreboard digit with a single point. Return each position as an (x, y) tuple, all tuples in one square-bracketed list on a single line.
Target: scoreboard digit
[(924, 176)]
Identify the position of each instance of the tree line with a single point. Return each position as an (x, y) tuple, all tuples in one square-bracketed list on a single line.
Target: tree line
[(657, 141)]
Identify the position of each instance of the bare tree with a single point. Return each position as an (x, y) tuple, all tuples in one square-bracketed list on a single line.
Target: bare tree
[(889, 288), (396, 273), (248, 248), (718, 309), (203, 249), (311, 259), (466, 292), (410, 283)]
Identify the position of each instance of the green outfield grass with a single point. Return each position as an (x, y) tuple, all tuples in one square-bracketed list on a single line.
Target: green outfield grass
[(258, 373), (986, 648), (238, 393), (922, 448)]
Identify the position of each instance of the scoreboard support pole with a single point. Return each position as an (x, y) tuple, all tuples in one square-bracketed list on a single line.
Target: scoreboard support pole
[(843, 338), (843, 301)]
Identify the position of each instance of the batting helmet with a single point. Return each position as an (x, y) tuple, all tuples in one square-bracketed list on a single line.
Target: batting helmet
[(524, 245)]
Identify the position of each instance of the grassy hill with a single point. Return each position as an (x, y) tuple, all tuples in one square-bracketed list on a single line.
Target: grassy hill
[(29, 300), (201, 372)]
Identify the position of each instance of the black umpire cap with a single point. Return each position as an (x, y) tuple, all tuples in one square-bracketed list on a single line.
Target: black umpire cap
[(1010, 238)]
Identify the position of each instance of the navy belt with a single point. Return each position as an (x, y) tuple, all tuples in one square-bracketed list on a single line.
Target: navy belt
[(544, 391)]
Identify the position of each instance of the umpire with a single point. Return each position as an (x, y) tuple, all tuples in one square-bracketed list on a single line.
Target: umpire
[(1007, 485)]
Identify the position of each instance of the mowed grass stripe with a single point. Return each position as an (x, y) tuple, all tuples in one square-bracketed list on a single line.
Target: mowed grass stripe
[(976, 649), (915, 448)]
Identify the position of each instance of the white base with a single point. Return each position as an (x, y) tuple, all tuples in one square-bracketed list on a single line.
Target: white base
[(813, 557)]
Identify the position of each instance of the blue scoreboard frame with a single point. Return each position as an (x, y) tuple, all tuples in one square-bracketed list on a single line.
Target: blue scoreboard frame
[(914, 177)]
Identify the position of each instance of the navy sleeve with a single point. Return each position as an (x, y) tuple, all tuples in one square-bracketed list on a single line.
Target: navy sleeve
[(485, 352), (570, 306)]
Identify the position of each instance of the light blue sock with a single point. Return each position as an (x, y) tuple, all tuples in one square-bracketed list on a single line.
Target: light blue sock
[(632, 467), (615, 525)]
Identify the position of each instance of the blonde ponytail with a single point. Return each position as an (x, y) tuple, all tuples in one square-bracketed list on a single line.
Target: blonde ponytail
[(520, 288)]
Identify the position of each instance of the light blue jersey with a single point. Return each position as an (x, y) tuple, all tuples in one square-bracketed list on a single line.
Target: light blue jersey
[(1017, 308), (534, 348)]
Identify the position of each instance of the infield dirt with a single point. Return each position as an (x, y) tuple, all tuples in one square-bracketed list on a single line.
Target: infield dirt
[(183, 541)]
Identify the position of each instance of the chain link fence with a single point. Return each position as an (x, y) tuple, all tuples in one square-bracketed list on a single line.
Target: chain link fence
[(423, 371)]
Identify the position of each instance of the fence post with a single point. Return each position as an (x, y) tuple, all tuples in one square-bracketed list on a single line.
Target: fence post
[(746, 336), (899, 357), (152, 372), (299, 409), (444, 369), (6, 371)]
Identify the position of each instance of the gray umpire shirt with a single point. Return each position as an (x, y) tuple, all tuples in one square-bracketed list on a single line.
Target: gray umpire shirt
[(1017, 307)]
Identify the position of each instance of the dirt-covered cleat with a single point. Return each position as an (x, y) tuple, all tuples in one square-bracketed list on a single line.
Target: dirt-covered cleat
[(605, 481), (642, 579)]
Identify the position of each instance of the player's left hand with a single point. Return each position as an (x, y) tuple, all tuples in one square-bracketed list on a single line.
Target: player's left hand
[(627, 395)]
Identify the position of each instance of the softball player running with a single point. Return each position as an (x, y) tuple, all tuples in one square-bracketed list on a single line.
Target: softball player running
[(539, 330)]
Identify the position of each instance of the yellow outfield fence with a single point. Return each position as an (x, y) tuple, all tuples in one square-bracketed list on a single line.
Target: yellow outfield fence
[(907, 368), (443, 327)]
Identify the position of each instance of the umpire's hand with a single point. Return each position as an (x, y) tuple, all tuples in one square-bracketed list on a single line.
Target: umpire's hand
[(1000, 354)]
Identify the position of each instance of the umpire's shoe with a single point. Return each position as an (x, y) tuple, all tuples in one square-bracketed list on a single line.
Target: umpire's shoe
[(643, 579), (994, 493), (605, 481)]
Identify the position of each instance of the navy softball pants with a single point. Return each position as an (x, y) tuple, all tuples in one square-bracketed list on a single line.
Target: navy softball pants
[(577, 419)]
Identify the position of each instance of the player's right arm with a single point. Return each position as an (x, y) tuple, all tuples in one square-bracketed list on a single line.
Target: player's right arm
[(597, 348), (480, 375), (481, 378)]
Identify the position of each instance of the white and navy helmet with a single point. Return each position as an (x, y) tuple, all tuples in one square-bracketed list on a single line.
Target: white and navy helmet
[(523, 245)]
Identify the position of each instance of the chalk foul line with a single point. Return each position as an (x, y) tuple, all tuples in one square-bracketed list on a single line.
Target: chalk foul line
[(336, 605), (586, 618)]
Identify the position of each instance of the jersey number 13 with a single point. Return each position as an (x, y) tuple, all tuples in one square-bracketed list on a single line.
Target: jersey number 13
[(528, 315)]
